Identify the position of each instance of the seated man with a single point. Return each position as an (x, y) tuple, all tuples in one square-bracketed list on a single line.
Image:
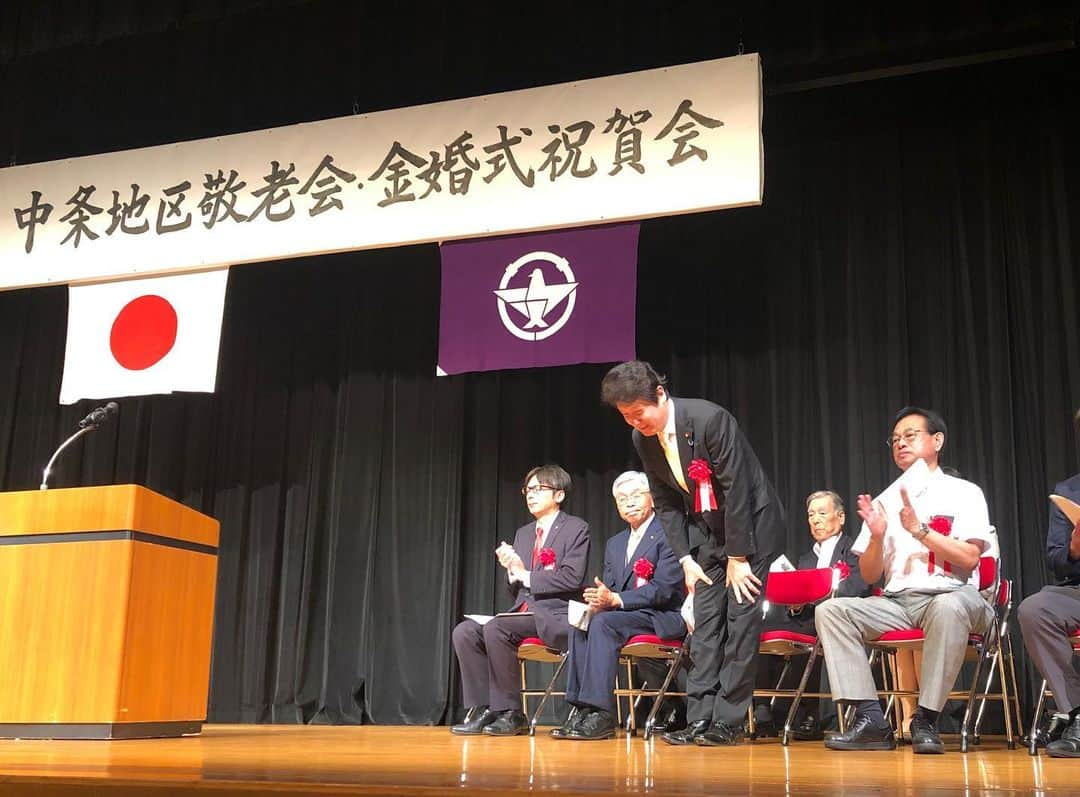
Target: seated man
[(925, 546), (1048, 617), (832, 548), (556, 546), (641, 593)]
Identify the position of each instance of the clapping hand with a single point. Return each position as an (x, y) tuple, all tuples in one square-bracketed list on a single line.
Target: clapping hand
[(508, 557), (908, 519), (600, 597), (873, 514)]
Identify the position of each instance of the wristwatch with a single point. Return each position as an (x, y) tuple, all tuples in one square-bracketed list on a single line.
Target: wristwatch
[(922, 532)]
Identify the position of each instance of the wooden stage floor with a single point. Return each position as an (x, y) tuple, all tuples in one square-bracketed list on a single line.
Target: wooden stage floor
[(291, 760)]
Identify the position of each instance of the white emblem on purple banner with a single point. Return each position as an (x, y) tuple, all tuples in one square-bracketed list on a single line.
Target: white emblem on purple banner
[(537, 300)]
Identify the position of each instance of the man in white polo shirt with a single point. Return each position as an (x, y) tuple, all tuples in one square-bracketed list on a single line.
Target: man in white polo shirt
[(922, 539)]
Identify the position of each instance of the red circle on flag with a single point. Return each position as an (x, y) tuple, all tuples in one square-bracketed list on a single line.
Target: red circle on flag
[(143, 332)]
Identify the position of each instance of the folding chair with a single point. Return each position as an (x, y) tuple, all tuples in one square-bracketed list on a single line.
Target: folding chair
[(794, 588), (1044, 692), (535, 649), (648, 646), (981, 648)]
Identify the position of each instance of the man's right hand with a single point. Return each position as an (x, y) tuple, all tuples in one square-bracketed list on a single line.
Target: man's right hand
[(873, 514), (693, 573), (507, 556)]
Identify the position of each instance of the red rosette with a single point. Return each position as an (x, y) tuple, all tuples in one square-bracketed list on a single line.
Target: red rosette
[(704, 498), (547, 557), (843, 569), (643, 568), (943, 526)]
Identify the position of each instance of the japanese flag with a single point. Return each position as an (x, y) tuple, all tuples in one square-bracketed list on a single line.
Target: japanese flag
[(143, 336)]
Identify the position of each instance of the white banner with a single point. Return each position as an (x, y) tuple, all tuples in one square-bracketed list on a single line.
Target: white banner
[(660, 142)]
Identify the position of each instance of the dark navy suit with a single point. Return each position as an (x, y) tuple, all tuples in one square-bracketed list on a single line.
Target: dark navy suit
[(487, 653), (652, 608)]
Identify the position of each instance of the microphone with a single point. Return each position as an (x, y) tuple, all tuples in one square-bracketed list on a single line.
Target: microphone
[(100, 415), (88, 424)]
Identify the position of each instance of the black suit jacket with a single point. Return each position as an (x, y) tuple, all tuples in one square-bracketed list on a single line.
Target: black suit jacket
[(749, 519), (662, 597), (550, 589), (1059, 533)]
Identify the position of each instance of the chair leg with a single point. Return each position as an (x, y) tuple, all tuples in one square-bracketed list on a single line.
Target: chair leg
[(661, 694), (797, 698), (965, 727), (1012, 681), (984, 696), (547, 694), (524, 686), (780, 681), (1033, 742)]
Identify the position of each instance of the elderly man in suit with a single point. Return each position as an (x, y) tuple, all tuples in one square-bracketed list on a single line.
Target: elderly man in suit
[(724, 522), (1048, 617), (545, 567), (641, 593), (831, 548)]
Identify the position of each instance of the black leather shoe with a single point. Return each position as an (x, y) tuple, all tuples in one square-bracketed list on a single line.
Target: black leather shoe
[(687, 734), (863, 735), (597, 724), (764, 729), (476, 719), (1068, 746), (718, 734), (668, 720), (1047, 732), (563, 731), (924, 737), (508, 723), (808, 730)]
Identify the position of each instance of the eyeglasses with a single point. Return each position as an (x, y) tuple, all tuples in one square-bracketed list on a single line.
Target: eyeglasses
[(908, 436), (536, 489), (634, 497)]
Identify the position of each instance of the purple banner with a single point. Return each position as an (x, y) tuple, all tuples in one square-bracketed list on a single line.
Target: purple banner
[(530, 301)]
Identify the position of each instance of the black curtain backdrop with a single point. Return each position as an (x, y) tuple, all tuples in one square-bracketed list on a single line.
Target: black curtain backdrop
[(916, 244)]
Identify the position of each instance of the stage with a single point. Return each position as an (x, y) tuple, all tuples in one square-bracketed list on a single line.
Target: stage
[(305, 760)]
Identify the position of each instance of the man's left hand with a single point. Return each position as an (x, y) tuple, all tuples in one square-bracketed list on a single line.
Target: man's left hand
[(601, 598), (908, 519), (741, 579)]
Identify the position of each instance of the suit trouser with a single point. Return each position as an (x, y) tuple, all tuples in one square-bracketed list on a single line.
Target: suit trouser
[(594, 656), (487, 655), (947, 619), (723, 647), (1047, 618)]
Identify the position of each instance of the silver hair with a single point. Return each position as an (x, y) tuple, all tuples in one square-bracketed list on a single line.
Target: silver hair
[(635, 476), (837, 501)]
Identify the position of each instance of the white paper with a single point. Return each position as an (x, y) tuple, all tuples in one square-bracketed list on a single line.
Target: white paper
[(781, 564), (482, 619), (578, 615), (687, 612)]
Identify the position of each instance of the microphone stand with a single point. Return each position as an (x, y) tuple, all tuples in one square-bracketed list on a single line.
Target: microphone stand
[(48, 468)]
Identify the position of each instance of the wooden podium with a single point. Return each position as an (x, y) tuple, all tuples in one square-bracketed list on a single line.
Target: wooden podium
[(106, 613)]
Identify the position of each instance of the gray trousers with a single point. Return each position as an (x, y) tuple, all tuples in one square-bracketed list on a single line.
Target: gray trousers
[(946, 619), (1046, 620)]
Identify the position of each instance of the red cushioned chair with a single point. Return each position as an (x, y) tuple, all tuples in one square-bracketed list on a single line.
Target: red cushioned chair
[(1044, 692), (534, 649), (994, 647), (794, 588), (648, 646)]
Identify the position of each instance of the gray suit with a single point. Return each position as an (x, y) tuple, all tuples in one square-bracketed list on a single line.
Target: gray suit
[(1048, 617)]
